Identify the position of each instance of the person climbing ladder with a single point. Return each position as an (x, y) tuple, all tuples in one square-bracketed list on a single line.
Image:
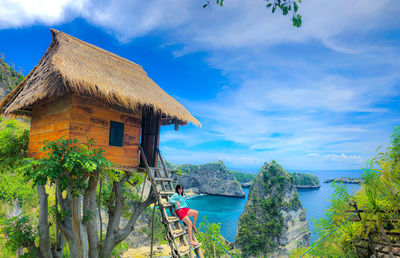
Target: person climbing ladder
[(183, 212)]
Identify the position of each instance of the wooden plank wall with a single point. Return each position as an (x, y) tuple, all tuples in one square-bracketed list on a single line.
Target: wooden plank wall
[(50, 121), (82, 117), (91, 118)]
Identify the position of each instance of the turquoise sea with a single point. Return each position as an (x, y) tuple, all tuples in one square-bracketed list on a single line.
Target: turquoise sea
[(226, 210)]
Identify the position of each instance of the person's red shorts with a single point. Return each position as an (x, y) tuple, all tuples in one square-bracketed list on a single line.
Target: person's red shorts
[(182, 212)]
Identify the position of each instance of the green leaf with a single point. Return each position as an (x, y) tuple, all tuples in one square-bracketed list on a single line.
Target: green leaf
[(285, 10), (296, 7)]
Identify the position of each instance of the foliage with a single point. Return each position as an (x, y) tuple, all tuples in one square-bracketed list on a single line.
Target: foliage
[(286, 6), (378, 198), (14, 137), (304, 179), (13, 186), (243, 177), (119, 249), (15, 191), (275, 178), (18, 232), (205, 236), (69, 164)]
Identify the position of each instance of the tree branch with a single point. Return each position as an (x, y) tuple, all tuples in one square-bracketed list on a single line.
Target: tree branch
[(130, 226)]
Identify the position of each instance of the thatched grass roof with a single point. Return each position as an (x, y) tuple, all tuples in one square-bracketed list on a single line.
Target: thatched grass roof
[(72, 65)]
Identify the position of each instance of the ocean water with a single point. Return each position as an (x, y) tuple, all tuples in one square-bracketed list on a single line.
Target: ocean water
[(226, 210)]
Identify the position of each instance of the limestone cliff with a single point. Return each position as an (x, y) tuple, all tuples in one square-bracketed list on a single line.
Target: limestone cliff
[(211, 178), (273, 222), (9, 78)]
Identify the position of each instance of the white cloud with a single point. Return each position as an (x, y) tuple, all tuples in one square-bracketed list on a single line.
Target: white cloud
[(20, 13), (238, 24), (337, 157)]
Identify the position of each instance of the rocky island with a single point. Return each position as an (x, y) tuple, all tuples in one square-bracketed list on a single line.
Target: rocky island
[(305, 181), (211, 178), (273, 222), (245, 179), (345, 180)]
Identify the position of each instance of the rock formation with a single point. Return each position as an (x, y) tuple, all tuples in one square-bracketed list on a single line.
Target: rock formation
[(273, 222), (9, 78), (305, 181), (345, 180), (211, 178)]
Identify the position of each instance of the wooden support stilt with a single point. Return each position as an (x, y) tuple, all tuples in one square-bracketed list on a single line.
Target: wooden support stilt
[(144, 183), (152, 231), (215, 255)]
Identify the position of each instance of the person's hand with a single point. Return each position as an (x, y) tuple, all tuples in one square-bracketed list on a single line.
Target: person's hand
[(177, 203)]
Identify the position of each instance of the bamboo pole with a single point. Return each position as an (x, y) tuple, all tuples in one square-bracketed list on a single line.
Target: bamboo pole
[(213, 242), (144, 183), (152, 231)]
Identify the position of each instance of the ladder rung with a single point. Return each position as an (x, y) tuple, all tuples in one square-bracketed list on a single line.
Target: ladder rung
[(177, 232), (183, 249), (164, 179), (166, 204), (167, 192), (197, 246), (172, 219)]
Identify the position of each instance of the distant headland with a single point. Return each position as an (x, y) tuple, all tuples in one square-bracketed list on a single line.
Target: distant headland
[(345, 180)]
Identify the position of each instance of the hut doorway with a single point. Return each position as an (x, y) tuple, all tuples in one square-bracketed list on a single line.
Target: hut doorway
[(151, 123)]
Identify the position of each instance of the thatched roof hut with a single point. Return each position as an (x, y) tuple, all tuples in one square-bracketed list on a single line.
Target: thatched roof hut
[(72, 65), (79, 91)]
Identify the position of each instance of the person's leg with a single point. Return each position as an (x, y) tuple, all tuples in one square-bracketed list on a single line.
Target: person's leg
[(195, 214), (188, 223)]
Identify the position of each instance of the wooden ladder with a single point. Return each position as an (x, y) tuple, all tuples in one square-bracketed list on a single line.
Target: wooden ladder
[(177, 237)]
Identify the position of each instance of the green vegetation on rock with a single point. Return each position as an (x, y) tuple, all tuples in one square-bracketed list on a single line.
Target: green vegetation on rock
[(211, 178), (9, 78), (243, 177), (262, 224), (301, 179)]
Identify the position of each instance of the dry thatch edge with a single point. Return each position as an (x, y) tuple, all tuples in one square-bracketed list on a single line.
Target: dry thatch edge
[(54, 76)]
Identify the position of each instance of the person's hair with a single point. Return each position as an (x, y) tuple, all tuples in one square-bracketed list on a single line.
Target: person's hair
[(177, 187)]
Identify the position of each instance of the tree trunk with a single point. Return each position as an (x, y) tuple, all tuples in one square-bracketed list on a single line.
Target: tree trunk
[(57, 249), (43, 223), (114, 218), (89, 209), (66, 225), (76, 226)]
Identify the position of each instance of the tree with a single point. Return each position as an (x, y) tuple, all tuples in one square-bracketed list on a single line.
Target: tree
[(286, 6), (72, 174)]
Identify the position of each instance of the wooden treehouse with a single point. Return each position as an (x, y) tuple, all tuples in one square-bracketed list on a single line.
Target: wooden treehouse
[(80, 91)]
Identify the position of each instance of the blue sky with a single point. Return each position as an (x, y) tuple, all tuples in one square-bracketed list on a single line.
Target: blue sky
[(323, 96)]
